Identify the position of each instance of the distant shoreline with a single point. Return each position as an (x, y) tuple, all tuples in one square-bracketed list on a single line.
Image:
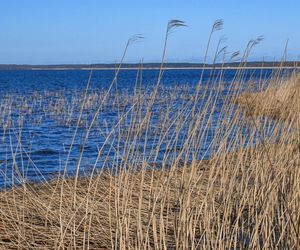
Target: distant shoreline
[(165, 68), (155, 66)]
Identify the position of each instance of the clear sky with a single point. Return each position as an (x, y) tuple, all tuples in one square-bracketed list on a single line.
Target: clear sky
[(95, 31)]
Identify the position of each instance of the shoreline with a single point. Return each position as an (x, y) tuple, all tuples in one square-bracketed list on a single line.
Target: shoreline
[(157, 68)]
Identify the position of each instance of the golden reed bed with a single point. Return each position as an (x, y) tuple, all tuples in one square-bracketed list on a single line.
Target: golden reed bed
[(246, 198)]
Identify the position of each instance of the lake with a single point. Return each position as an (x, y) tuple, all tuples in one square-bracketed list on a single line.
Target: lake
[(39, 111)]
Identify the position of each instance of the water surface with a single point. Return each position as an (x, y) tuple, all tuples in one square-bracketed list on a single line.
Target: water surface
[(38, 118)]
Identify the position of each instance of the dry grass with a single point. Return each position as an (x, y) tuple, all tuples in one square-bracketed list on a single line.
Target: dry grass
[(246, 198), (279, 101), (234, 200)]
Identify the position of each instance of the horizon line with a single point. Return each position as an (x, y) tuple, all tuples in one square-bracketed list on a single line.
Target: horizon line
[(145, 63)]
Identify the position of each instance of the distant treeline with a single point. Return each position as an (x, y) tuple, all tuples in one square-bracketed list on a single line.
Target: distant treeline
[(146, 65)]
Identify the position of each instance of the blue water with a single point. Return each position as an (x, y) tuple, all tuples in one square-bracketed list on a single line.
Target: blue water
[(26, 82), (35, 140)]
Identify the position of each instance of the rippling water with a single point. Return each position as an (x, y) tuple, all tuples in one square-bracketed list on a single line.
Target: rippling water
[(39, 110)]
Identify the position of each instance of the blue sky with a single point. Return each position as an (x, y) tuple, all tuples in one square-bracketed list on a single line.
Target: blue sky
[(95, 31)]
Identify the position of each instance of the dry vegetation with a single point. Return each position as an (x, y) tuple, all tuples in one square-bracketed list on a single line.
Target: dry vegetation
[(245, 196), (279, 101)]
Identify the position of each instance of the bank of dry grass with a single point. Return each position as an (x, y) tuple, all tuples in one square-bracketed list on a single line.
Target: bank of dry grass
[(280, 100), (244, 199), (247, 195)]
